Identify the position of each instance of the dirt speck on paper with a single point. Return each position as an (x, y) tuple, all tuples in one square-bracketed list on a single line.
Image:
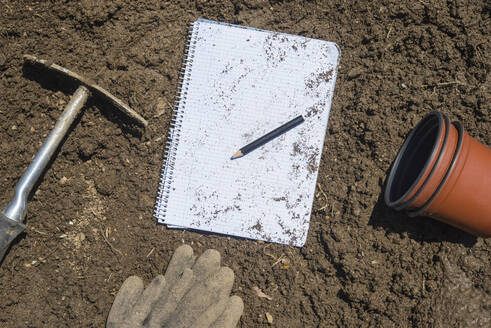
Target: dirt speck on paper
[(315, 109), (258, 226)]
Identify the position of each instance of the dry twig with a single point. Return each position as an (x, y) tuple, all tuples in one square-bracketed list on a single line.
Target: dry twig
[(443, 84), (114, 249), (325, 196), (260, 293)]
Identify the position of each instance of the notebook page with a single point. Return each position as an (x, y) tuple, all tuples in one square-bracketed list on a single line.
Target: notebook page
[(242, 83)]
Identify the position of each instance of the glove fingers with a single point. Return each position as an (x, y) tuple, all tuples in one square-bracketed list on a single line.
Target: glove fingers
[(211, 314), (127, 296), (207, 264), (166, 305), (183, 258), (231, 315), (201, 296), (148, 298), (214, 310)]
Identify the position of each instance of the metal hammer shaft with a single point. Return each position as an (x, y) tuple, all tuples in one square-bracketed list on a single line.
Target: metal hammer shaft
[(16, 209)]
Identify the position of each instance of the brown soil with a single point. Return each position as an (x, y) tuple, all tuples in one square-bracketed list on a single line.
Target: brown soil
[(90, 223)]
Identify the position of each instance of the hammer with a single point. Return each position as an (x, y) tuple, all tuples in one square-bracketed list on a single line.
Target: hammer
[(11, 220)]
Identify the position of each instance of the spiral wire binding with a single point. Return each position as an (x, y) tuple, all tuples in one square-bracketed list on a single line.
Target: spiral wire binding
[(176, 124)]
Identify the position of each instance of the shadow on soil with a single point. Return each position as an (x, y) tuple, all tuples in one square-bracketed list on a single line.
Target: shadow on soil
[(56, 81), (418, 228)]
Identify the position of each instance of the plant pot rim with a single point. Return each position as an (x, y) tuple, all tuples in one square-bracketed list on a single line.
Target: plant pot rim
[(400, 203), (408, 202), (422, 209)]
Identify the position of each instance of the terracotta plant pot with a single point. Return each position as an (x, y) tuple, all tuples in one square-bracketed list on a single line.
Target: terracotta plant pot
[(443, 173)]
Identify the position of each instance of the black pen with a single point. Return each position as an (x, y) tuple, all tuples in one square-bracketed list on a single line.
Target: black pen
[(268, 137)]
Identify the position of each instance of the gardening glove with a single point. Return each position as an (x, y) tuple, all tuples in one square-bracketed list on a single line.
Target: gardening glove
[(459, 303), (190, 294)]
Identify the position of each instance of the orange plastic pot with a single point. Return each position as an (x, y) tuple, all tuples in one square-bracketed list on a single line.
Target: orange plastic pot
[(454, 183)]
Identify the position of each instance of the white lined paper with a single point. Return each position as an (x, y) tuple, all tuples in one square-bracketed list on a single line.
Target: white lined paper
[(243, 83)]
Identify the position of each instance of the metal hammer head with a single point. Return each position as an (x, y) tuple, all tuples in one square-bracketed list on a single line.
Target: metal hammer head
[(94, 88), (9, 230)]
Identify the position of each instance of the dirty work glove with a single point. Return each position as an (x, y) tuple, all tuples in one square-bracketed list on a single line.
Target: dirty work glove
[(190, 294)]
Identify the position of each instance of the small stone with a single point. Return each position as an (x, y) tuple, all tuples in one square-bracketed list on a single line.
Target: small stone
[(269, 317), (63, 180), (354, 72), (357, 211), (14, 127), (160, 107), (81, 236)]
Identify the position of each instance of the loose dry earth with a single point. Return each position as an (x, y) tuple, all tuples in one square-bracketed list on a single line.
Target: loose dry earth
[(90, 224)]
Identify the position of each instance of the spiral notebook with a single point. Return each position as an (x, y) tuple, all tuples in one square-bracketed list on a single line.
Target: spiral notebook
[(238, 84)]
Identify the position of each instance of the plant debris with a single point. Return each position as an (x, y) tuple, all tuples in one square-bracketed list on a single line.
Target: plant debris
[(260, 293)]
